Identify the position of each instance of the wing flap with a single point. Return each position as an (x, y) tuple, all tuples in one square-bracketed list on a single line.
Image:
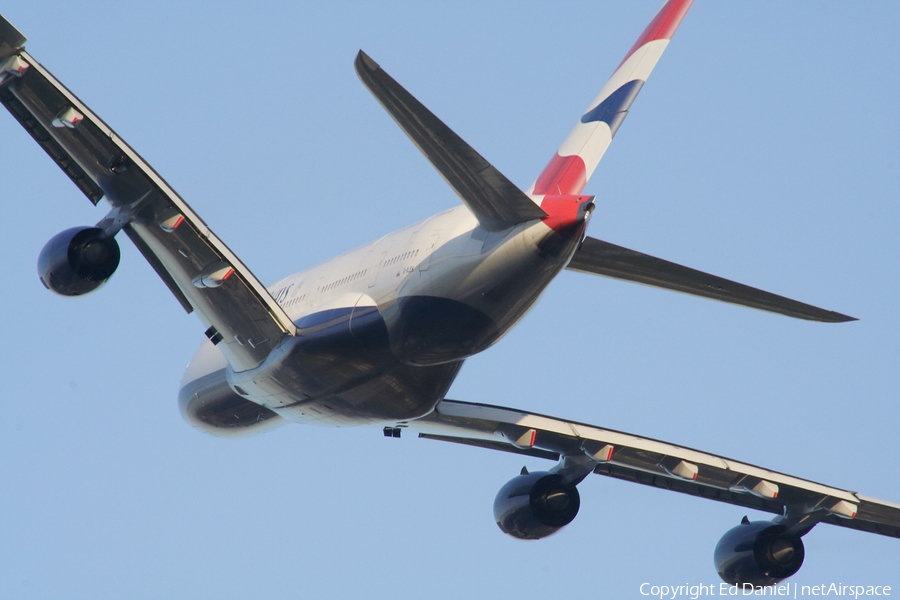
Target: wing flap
[(495, 201), (493, 445), (178, 244), (652, 462), (602, 258)]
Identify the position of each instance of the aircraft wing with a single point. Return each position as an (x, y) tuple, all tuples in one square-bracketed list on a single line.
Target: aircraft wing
[(653, 463), (199, 269)]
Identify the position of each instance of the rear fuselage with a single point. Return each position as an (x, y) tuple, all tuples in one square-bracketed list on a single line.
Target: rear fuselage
[(383, 329)]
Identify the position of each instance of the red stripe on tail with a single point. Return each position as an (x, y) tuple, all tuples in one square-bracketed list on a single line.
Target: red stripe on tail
[(663, 25), (563, 175)]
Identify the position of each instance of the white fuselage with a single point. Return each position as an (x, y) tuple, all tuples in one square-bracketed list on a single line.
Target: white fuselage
[(383, 329)]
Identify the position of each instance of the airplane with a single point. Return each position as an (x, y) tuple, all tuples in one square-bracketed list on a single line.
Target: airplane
[(378, 326)]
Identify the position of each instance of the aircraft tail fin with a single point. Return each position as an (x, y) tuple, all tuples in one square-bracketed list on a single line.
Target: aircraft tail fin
[(574, 163), (602, 258), (494, 199)]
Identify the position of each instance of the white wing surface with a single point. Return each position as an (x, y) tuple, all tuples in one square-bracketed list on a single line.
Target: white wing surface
[(199, 269), (654, 463)]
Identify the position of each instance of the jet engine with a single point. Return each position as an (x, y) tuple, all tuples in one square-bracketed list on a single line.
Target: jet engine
[(760, 553), (78, 261), (535, 505)]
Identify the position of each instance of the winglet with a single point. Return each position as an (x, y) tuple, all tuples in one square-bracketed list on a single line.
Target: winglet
[(494, 200), (11, 40)]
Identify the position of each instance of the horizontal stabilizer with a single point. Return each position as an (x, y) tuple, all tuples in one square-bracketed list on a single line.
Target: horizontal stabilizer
[(494, 199), (603, 258)]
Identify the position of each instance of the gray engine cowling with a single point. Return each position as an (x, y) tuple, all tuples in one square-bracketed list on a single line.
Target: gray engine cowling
[(535, 505), (760, 553), (78, 261)]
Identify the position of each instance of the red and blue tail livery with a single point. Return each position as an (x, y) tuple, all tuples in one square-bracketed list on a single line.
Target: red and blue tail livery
[(574, 163)]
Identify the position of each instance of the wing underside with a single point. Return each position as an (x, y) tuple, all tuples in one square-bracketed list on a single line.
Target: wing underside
[(654, 463), (199, 269)]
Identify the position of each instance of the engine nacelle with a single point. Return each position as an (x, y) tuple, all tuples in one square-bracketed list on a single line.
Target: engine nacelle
[(78, 261), (535, 505), (760, 553)]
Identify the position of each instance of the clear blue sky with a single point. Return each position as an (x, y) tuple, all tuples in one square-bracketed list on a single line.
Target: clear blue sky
[(763, 149)]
